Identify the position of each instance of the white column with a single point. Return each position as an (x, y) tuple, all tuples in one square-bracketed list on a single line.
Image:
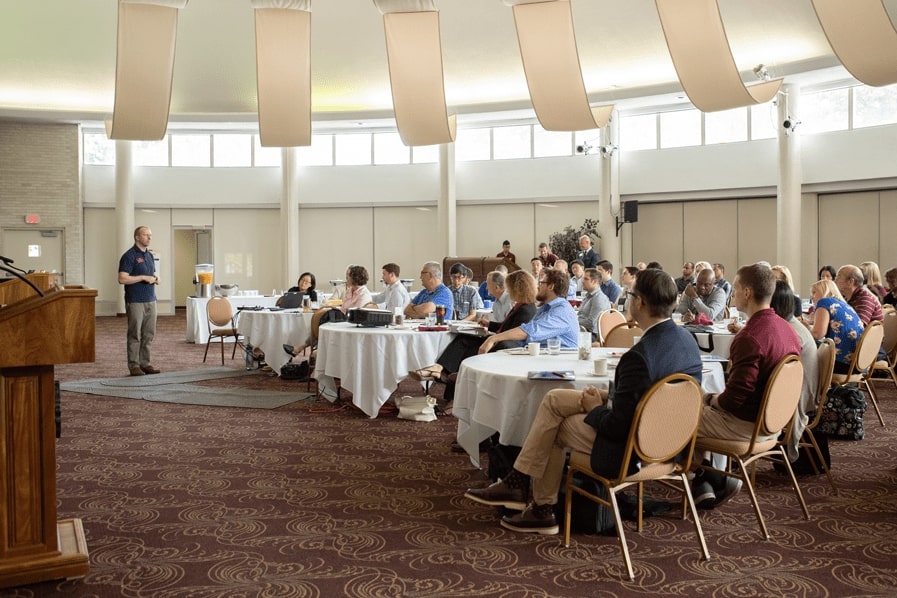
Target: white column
[(289, 217), (124, 208), (788, 200), (446, 215), (609, 198)]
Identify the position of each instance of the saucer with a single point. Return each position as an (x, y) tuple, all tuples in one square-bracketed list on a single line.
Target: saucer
[(593, 373)]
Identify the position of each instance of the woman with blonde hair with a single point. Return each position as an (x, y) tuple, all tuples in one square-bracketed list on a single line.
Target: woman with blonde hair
[(872, 273), (835, 319), (784, 274)]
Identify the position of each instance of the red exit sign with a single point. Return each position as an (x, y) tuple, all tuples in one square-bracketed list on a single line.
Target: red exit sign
[(32, 218)]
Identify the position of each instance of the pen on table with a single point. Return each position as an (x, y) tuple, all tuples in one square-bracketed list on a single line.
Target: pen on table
[(559, 374)]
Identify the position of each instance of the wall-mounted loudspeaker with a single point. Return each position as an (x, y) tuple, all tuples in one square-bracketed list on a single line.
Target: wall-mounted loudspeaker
[(630, 211)]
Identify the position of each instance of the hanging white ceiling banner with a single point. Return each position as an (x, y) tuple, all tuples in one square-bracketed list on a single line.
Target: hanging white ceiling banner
[(551, 64), (702, 57)]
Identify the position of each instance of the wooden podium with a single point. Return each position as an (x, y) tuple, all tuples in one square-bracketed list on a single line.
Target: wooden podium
[(37, 333)]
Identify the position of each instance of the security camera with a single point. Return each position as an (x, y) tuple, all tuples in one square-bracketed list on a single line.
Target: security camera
[(580, 149), (787, 123), (790, 124)]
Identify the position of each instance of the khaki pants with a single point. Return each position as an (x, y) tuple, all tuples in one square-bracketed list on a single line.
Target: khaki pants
[(559, 424), (141, 330)]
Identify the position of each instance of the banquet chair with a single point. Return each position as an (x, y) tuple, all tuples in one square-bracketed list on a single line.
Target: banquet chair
[(623, 335), (825, 356), (662, 439), (222, 324), (607, 320), (776, 414), (889, 345), (864, 357)]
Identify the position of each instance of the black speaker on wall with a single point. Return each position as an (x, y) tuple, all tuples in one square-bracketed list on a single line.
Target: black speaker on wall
[(630, 211)]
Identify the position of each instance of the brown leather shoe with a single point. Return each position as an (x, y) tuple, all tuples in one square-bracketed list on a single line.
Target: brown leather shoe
[(499, 495), (136, 372), (535, 519), (148, 369)]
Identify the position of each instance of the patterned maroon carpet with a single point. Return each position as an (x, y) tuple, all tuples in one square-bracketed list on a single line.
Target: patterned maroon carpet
[(307, 501)]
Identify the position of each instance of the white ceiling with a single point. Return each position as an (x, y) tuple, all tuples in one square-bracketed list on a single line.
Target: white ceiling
[(57, 57)]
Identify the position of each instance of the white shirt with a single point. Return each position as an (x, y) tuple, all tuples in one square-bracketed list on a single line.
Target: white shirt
[(501, 307), (395, 295)]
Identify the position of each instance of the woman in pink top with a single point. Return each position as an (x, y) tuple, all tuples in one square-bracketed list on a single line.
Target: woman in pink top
[(357, 294)]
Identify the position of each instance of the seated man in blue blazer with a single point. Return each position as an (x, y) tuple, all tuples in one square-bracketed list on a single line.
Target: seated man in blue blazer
[(583, 421)]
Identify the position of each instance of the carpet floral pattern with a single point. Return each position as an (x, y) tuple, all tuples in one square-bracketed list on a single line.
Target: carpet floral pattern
[(310, 500)]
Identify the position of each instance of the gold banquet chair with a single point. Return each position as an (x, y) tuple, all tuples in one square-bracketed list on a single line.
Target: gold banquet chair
[(825, 357), (776, 414), (222, 324), (664, 428), (889, 344), (607, 321), (864, 358), (623, 335)]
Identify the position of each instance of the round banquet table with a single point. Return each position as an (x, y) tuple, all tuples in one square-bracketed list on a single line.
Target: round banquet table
[(197, 321), (270, 330), (370, 362), (494, 393)]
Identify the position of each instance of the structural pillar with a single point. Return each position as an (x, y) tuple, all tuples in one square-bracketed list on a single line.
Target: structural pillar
[(788, 199), (124, 206), (289, 215), (447, 209), (609, 197)]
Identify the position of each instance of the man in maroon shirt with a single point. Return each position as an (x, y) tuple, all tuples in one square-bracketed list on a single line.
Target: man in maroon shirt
[(756, 350), (852, 284)]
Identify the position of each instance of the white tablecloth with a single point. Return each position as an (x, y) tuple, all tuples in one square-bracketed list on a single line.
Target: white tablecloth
[(370, 362), (197, 327), (493, 392), (270, 330), (721, 338)]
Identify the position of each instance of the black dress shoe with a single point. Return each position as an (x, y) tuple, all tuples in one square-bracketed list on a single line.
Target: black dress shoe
[(288, 349), (536, 519), (499, 495)]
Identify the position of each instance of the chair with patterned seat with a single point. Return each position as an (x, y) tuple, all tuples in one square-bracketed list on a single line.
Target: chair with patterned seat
[(825, 356), (864, 357), (607, 321), (623, 335)]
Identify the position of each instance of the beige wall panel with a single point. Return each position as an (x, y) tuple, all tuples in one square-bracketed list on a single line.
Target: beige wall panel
[(555, 217), (657, 236), (406, 236), (756, 233), (482, 228), (887, 255), (809, 246), (248, 249), (711, 231), (193, 217), (331, 239), (848, 228), (101, 258)]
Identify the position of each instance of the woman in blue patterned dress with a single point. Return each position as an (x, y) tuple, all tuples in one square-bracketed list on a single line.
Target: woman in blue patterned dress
[(833, 318)]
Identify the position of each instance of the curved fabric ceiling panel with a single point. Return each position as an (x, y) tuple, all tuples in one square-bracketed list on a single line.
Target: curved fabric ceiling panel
[(863, 38), (414, 53), (283, 71), (703, 59), (551, 64), (144, 65)]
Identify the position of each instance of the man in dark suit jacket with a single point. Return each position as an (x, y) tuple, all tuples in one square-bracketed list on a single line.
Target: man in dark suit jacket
[(583, 421)]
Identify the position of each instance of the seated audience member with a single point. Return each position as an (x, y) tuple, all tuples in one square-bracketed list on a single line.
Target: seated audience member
[(506, 254), (687, 278), (395, 295), (502, 305), (593, 302), (643, 266), (483, 291), (464, 297), (571, 287), (657, 266), (535, 265), (755, 352), (546, 257), (719, 271), (433, 293), (783, 273), (587, 254), (357, 293), (576, 269), (783, 304), (586, 421), (827, 273), (554, 318), (834, 318), (522, 290), (701, 265), (850, 282), (891, 280), (608, 285), (627, 283), (305, 284), (703, 297), (872, 274)]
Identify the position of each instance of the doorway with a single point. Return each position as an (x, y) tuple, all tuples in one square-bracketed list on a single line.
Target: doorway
[(191, 246)]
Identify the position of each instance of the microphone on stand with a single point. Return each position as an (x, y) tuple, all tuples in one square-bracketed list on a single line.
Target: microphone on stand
[(12, 270), (9, 262)]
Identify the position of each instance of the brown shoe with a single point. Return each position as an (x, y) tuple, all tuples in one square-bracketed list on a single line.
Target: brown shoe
[(148, 369), (136, 372), (536, 519), (499, 495)]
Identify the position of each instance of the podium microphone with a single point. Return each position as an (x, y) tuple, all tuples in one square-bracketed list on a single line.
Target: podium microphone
[(12, 270), (9, 262)]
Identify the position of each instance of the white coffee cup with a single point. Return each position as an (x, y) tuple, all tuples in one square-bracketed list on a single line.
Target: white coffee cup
[(533, 349), (599, 367)]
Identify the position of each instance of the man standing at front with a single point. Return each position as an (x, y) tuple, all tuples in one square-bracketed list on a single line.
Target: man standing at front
[(587, 253), (583, 421), (137, 272)]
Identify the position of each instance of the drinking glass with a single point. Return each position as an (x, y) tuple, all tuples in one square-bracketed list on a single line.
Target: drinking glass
[(554, 346)]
